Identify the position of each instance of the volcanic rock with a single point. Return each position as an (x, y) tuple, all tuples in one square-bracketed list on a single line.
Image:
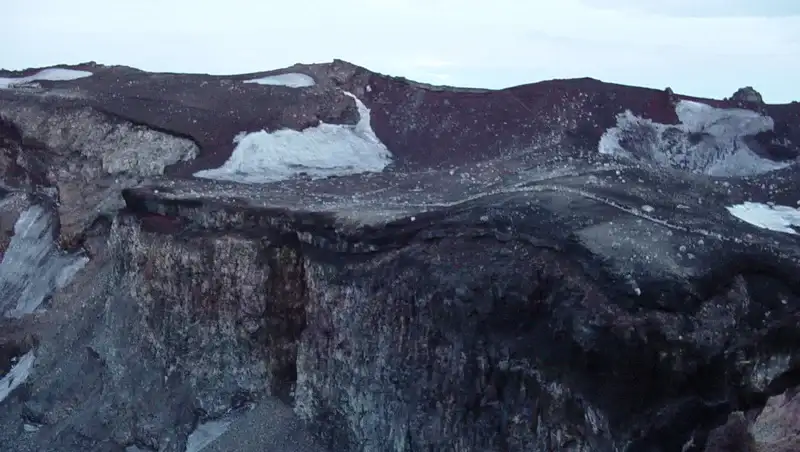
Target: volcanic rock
[(747, 94), (329, 258)]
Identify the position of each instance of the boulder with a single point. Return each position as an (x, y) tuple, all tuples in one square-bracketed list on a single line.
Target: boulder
[(358, 262)]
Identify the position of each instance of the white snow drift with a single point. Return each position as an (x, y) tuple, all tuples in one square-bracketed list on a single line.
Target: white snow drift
[(292, 80), (52, 74), (19, 372), (774, 218), (33, 267), (708, 140), (321, 151), (205, 434)]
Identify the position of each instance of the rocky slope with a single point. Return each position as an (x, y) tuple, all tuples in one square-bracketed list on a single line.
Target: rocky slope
[(570, 265)]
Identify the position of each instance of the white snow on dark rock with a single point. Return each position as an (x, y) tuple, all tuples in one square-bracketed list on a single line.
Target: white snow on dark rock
[(52, 75), (33, 267), (19, 372), (354, 301), (205, 434), (775, 218), (291, 80), (708, 140), (321, 151)]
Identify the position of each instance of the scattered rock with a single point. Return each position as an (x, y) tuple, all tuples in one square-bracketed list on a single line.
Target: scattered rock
[(501, 285)]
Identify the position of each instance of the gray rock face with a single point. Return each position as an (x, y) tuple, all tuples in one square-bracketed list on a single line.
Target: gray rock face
[(777, 427), (86, 156), (513, 279)]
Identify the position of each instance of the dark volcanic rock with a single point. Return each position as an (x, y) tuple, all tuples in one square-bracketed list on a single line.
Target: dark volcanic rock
[(569, 265), (747, 94)]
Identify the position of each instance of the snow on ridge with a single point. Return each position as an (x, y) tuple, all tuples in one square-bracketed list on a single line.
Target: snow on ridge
[(51, 74), (19, 372), (775, 218), (291, 80), (700, 117), (708, 140), (321, 151)]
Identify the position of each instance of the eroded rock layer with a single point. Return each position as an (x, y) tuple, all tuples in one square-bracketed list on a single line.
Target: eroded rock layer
[(570, 265)]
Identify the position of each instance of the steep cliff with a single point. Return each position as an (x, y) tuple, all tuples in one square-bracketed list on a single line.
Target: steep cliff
[(564, 266)]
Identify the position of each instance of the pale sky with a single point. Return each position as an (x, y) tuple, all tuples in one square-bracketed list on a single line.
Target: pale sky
[(698, 47)]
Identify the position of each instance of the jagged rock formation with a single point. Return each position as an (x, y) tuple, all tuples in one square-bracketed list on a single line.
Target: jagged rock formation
[(775, 428), (569, 265), (747, 94)]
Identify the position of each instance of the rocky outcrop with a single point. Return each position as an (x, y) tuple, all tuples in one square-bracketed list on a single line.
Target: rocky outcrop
[(569, 265), (747, 94), (775, 428)]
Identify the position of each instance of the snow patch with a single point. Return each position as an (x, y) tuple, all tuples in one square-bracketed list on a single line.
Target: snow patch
[(321, 151), (708, 140), (33, 267), (292, 80), (774, 218), (17, 375), (205, 434), (52, 75)]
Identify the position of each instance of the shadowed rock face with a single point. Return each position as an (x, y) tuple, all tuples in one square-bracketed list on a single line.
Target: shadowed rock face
[(568, 265)]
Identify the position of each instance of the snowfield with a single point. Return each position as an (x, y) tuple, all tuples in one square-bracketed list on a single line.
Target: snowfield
[(291, 80), (774, 218), (52, 75), (321, 151), (708, 140)]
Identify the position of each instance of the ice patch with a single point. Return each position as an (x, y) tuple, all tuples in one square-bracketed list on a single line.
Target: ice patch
[(205, 434), (321, 151), (17, 375), (774, 218), (33, 266), (292, 80), (708, 140), (52, 75)]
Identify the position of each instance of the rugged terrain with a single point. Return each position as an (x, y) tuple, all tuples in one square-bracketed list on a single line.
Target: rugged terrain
[(570, 265)]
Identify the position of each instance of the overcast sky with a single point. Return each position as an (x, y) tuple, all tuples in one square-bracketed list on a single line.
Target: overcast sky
[(700, 47)]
